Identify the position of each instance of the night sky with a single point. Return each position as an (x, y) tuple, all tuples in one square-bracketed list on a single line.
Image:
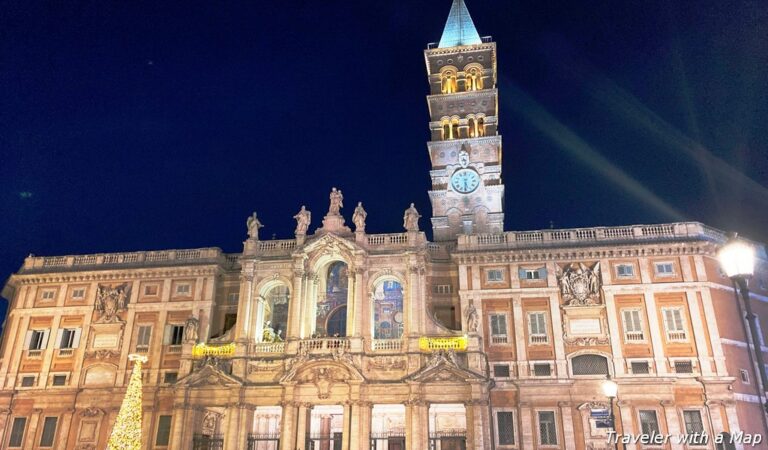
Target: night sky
[(136, 126)]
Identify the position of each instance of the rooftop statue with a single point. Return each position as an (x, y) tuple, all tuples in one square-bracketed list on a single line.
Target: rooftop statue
[(358, 218), (303, 217), (411, 219), (253, 225), (337, 199)]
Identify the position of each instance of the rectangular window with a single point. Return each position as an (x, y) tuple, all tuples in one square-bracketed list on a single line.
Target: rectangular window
[(625, 270), (27, 381), (648, 422), (665, 269), (67, 338), (531, 274), (498, 328), (151, 290), (233, 297), (78, 293), (505, 423), (17, 432), (673, 324), (163, 431), (442, 289), (37, 339), (693, 423), (744, 376), (48, 294), (59, 380), (174, 334), (170, 377), (537, 327), (143, 336), (640, 367), (183, 289), (683, 367), (494, 275), (547, 428), (542, 370), (633, 328), (501, 370), (49, 431)]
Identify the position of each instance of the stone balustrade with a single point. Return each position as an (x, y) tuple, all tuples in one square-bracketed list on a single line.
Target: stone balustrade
[(323, 344), (383, 345), (211, 255), (267, 347), (683, 231)]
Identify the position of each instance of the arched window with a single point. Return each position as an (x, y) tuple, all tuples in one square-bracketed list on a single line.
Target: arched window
[(474, 79), (480, 124), (276, 313), (448, 82), (446, 130), (455, 129), (589, 365), (472, 127), (388, 310), (331, 317)]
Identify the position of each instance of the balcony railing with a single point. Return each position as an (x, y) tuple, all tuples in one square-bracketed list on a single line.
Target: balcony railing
[(146, 258), (220, 351), (538, 339), (499, 339), (634, 336), (267, 347), (34, 353), (582, 236), (173, 349), (378, 345), (323, 344), (676, 336), (66, 352), (431, 344)]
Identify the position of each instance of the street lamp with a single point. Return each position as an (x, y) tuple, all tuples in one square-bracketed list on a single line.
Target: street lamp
[(737, 259), (611, 390)]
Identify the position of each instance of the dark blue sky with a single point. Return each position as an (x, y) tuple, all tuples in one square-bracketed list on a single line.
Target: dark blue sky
[(134, 126)]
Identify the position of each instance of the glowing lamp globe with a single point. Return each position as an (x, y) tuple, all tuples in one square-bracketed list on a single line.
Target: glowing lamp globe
[(737, 258), (610, 388)]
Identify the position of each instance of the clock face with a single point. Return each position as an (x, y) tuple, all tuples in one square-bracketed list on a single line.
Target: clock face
[(465, 181), (398, 317)]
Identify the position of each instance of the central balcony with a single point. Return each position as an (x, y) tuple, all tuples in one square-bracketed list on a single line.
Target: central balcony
[(324, 345)]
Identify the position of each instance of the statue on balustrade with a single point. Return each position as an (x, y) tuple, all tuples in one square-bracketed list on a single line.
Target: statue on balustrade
[(472, 319), (411, 219), (253, 225), (359, 217), (270, 335), (336, 202), (302, 220)]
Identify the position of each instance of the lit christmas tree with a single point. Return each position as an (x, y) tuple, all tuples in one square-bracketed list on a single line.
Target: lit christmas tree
[(126, 435)]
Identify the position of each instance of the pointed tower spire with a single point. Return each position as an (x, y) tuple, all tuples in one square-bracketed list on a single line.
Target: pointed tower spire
[(459, 28)]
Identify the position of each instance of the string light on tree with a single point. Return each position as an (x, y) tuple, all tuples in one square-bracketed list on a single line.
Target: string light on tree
[(126, 435)]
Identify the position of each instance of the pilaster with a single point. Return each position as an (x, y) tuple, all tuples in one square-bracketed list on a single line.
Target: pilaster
[(614, 331), (566, 412), (655, 329), (673, 425)]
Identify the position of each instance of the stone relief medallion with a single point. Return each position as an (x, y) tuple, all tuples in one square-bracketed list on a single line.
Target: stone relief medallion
[(580, 284), (110, 301)]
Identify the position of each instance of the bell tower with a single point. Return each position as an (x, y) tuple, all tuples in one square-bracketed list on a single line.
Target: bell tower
[(467, 193)]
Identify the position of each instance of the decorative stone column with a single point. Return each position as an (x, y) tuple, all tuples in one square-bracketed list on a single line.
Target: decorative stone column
[(566, 412), (527, 425), (733, 421), (4, 414), (627, 424), (346, 429), (232, 431), (288, 426), (519, 330), (302, 422), (655, 330), (296, 303), (673, 424), (416, 425), (361, 425), (557, 332), (244, 307)]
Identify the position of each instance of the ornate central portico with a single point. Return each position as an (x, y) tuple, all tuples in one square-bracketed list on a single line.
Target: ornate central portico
[(336, 349)]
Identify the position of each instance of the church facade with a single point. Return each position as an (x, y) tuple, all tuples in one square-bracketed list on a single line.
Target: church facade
[(343, 340)]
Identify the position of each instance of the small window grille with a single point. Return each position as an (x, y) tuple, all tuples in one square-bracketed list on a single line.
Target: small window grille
[(589, 365), (640, 367), (683, 367), (542, 370), (501, 370)]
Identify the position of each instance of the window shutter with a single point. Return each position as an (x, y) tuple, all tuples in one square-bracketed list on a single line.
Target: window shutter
[(502, 324), (542, 327), (532, 323), (628, 325), (668, 322), (45, 339), (543, 273), (28, 339), (678, 320), (57, 342), (521, 273), (76, 340), (167, 334)]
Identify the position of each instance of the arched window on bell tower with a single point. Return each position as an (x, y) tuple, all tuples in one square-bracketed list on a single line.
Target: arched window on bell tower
[(388, 310), (448, 81), (474, 79), (480, 124), (455, 128), (446, 130), (472, 126)]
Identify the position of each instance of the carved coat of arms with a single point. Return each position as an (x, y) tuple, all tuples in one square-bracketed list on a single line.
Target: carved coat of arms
[(580, 284), (110, 301)]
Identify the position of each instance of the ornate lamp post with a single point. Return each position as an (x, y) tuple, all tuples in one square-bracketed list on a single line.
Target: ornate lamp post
[(737, 259), (611, 390)]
